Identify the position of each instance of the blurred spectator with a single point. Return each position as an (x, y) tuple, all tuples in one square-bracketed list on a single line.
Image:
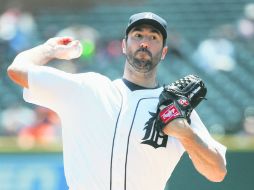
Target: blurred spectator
[(45, 129), (108, 52), (176, 45), (245, 26), (18, 29), (15, 118), (248, 122), (217, 53)]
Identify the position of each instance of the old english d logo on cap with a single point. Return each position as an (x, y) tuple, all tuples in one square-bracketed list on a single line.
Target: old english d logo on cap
[(149, 16)]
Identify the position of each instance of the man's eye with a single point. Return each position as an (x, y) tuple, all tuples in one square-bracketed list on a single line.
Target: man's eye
[(137, 35), (153, 37)]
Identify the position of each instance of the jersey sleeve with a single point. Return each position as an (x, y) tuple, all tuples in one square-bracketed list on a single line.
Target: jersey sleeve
[(49, 87), (198, 126)]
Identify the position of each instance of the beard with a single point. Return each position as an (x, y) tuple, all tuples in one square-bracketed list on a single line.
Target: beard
[(142, 60)]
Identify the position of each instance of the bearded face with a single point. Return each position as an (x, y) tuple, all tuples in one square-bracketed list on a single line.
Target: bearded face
[(142, 60), (144, 48)]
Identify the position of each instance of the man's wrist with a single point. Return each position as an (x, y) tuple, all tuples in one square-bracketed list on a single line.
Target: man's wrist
[(179, 128), (46, 51)]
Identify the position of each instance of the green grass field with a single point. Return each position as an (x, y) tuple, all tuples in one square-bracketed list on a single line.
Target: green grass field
[(13, 145)]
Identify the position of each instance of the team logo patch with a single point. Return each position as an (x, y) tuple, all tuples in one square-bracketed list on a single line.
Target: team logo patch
[(152, 136), (169, 113), (183, 102)]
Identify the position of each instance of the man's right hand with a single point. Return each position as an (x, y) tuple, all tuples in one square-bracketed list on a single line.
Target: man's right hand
[(63, 48), (55, 48)]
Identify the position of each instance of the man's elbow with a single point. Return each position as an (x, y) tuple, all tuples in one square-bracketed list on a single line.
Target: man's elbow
[(17, 76), (11, 73), (218, 176)]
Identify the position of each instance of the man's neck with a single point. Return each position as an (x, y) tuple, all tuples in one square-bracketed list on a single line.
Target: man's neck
[(134, 87), (147, 80)]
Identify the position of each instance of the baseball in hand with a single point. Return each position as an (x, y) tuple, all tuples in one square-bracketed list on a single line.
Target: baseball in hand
[(76, 50)]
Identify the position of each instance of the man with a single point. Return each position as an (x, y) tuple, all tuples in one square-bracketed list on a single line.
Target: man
[(109, 142)]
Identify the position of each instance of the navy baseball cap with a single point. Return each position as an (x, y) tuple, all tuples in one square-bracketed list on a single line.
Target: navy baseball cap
[(148, 18)]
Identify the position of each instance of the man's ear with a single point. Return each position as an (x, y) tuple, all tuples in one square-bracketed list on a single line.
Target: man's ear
[(164, 52), (124, 46)]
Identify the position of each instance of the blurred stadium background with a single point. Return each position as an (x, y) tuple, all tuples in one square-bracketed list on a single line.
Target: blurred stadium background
[(211, 38)]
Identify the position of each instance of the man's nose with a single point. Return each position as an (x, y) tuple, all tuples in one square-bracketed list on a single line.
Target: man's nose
[(144, 45)]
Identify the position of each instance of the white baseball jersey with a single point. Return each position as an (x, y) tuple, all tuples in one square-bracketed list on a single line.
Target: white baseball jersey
[(109, 142)]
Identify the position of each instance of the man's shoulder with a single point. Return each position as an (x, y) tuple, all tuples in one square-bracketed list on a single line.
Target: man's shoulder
[(94, 80), (91, 76)]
